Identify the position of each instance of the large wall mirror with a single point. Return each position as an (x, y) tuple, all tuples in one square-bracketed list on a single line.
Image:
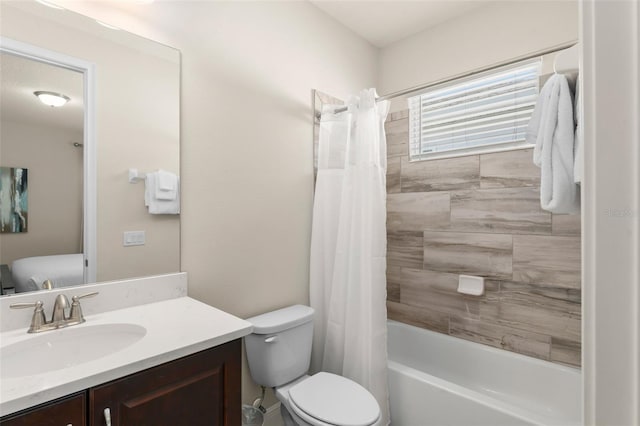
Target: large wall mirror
[(67, 205)]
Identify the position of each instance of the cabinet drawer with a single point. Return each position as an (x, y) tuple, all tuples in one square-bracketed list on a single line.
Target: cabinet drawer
[(68, 411)]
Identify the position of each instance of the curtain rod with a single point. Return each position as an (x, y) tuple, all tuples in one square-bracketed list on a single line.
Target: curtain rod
[(542, 52)]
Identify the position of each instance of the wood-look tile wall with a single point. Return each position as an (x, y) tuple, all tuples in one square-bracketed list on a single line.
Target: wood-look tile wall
[(481, 215)]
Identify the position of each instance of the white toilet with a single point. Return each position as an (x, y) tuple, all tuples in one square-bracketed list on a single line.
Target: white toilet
[(279, 353)]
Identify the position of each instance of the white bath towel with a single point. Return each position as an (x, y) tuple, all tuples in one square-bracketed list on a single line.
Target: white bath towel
[(551, 129), (158, 206), (166, 185)]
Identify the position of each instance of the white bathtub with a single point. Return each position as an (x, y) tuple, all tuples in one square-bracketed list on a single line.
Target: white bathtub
[(435, 380)]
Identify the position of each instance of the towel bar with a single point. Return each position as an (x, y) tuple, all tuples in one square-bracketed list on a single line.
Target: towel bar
[(135, 176)]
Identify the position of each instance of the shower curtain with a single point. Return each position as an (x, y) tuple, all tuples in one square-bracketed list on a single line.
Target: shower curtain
[(348, 246)]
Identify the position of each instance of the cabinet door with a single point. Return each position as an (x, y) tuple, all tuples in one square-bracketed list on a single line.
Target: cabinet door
[(68, 411), (199, 390)]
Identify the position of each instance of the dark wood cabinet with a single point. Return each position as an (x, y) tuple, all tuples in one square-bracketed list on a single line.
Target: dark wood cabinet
[(202, 389), (64, 412)]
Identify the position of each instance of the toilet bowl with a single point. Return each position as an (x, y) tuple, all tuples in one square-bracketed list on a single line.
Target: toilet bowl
[(279, 354), (326, 399)]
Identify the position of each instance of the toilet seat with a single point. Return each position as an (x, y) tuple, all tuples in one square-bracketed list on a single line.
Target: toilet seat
[(332, 400)]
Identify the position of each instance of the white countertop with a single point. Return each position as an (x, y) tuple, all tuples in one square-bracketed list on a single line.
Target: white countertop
[(175, 328)]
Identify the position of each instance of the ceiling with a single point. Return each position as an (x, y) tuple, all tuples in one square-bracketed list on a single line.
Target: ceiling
[(20, 77), (387, 21)]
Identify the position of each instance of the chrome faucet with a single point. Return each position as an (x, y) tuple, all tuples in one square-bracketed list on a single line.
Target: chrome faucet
[(59, 318)]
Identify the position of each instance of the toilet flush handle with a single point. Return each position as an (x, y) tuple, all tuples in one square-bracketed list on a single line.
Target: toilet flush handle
[(271, 339)]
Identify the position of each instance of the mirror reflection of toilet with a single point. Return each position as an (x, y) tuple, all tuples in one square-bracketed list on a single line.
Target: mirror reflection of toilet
[(279, 355)]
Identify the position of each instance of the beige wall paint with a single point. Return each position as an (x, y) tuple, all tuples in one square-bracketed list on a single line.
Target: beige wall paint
[(483, 37), (137, 125), (55, 189), (247, 73), (247, 155)]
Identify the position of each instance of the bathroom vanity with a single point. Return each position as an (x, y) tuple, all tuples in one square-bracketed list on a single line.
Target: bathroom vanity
[(147, 353), (200, 389), (164, 359)]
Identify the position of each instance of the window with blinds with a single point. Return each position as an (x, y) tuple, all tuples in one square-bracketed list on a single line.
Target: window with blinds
[(481, 113)]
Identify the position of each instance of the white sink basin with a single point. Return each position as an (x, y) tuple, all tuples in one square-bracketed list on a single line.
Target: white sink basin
[(59, 349)]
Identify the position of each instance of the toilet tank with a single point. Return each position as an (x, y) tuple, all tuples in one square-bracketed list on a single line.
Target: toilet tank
[(279, 349)]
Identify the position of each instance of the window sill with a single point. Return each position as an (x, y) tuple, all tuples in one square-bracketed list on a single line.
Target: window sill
[(471, 151)]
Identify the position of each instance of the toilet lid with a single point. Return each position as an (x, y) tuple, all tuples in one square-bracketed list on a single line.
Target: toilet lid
[(335, 400)]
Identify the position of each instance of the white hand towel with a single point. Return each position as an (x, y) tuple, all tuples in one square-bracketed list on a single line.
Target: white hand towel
[(166, 186), (166, 181), (159, 206), (551, 129)]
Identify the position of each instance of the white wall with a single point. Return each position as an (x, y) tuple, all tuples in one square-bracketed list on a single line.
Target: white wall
[(247, 168), (489, 35), (54, 170), (611, 212)]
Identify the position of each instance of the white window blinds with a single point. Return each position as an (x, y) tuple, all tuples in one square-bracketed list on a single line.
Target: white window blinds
[(491, 109)]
